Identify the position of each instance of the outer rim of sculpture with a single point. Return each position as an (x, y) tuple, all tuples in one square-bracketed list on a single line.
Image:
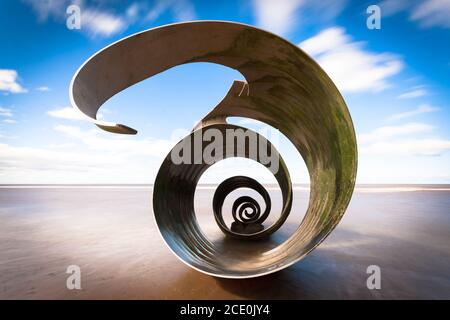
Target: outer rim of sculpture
[(129, 130), (118, 128)]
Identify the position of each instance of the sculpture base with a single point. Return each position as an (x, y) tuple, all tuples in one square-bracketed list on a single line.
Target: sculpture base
[(243, 228)]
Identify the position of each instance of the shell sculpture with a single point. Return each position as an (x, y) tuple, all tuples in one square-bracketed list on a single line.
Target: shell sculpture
[(285, 89)]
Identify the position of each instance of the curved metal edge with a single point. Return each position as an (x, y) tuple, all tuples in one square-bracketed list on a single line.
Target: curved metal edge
[(117, 127), (124, 129)]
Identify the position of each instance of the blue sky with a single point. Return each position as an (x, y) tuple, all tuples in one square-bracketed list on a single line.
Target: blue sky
[(395, 81)]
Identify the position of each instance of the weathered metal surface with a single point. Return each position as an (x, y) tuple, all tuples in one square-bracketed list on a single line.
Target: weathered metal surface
[(284, 88)]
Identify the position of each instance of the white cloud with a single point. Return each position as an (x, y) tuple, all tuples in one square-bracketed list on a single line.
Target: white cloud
[(428, 13), (4, 112), (43, 165), (424, 108), (432, 13), (408, 147), (323, 10), (102, 23), (403, 140), (388, 132), (68, 113), (8, 81), (325, 41), (391, 7), (246, 121), (38, 158), (84, 157), (281, 16), (96, 140), (11, 137), (96, 21), (159, 8), (181, 10), (53, 8), (416, 93), (43, 89), (133, 10), (349, 65), (277, 16), (10, 121)]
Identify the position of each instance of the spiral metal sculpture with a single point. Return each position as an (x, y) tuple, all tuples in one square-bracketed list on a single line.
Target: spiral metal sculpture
[(284, 88)]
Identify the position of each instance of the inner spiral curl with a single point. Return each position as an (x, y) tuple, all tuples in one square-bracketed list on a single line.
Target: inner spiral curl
[(243, 204), (245, 223)]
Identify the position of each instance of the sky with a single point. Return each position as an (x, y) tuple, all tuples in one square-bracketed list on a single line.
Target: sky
[(395, 81)]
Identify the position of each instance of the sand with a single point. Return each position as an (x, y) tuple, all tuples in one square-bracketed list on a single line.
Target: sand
[(111, 234)]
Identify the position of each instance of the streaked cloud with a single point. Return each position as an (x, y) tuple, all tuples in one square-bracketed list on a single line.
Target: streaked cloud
[(4, 112), (325, 41), (98, 141), (23, 164), (277, 16), (424, 108), (43, 89), (407, 147), (391, 7), (98, 20), (9, 81), (349, 65), (281, 16), (54, 8), (388, 132), (40, 158), (133, 10), (10, 121), (427, 13), (432, 13), (181, 10), (84, 156), (102, 23), (68, 113), (402, 140), (415, 93), (95, 21)]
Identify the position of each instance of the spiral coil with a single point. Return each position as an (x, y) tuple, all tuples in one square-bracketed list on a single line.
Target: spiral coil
[(285, 89), (246, 211)]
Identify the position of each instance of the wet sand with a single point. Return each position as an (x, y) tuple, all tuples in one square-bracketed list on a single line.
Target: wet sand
[(111, 234)]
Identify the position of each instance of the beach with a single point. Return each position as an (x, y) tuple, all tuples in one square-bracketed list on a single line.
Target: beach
[(111, 234)]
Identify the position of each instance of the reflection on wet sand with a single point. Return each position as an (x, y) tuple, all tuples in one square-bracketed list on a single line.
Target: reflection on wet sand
[(110, 233)]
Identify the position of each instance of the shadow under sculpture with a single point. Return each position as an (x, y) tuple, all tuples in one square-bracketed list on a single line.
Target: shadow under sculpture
[(284, 88)]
